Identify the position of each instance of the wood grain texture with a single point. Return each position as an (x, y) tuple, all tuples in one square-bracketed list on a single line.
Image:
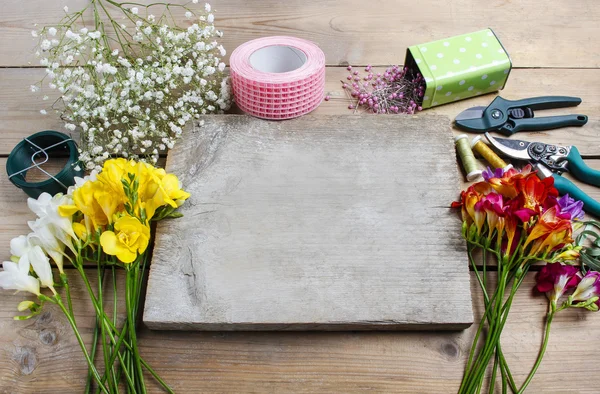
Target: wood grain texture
[(42, 356), (358, 33), (20, 116), (329, 222)]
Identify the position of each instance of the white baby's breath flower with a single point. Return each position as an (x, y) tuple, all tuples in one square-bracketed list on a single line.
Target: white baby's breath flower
[(188, 14), (34, 33), (34, 88), (207, 7), (66, 9), (43, 111), (131, 101), (134, 10), (52, 31)]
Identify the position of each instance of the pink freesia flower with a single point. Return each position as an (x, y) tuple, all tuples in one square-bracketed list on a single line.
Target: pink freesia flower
[(555, 279)]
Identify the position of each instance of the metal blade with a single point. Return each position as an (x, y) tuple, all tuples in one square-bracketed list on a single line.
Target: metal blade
[(516, 149), (471, 113)]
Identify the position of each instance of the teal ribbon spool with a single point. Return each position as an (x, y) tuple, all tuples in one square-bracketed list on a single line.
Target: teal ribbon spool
[(45, 145)]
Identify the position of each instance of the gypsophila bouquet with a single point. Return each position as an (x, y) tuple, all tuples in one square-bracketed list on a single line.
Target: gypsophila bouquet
[(520, 220), (130, 80), (104, 220)]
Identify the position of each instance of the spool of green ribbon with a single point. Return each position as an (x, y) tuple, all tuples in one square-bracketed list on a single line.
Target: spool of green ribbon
[(36, 150)]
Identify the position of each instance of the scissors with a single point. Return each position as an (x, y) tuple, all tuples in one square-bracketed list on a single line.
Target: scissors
[(509, 117), (553, 160)]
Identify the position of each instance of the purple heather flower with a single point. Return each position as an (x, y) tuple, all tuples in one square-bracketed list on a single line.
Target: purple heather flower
[(489, 174), (572, 207)]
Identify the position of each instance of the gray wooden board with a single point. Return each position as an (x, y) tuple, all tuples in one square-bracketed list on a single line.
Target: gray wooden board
[(322, 222)]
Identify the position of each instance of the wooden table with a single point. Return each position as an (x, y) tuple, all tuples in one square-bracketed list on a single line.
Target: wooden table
[(554, 49)]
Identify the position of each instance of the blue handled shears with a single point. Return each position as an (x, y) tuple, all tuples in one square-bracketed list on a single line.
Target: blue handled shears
[(553, 160), (510, 116)]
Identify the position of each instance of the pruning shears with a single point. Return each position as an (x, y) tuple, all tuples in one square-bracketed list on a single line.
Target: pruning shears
[(509, 117), (553, 160)]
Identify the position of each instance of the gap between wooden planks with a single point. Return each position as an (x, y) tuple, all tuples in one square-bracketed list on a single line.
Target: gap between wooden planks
[(20, 117), (535, 34), (41, 355)]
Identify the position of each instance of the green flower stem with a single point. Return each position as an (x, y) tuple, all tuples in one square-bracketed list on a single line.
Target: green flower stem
[(158, 378), (130, 285), (468, 371), (102, 317), (494, 372), (496, 331), (56, 299), (503, 364), (487, 314), (65, 283), (549, 318), (485, 354), (88, 381), (506, 371)]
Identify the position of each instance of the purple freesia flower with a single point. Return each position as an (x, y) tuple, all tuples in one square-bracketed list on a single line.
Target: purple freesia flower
[(570, 206), (489, 174)]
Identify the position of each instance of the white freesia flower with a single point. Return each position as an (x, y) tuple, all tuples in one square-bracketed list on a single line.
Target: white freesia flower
[(47, 237), (16, 277), (41, 265), (46, 208), (19, 245), (52, 231)]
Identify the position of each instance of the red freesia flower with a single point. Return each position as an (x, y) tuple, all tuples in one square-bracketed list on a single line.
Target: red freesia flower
[(468, 199), (536, 191), (507, 184), (549, 232), (555, 279)]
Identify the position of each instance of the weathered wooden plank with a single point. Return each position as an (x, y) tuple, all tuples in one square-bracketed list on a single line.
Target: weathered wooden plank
[(357, 33), (42, 355), (20, 117), (312, 223)]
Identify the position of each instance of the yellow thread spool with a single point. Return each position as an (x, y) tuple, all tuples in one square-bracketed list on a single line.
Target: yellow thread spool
[(470, 164), (489, 155)]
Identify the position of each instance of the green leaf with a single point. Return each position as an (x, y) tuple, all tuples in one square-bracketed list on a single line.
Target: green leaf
[(174, 215)]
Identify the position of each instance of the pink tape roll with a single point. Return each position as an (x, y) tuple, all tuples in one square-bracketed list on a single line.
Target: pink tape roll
[(278, 77)]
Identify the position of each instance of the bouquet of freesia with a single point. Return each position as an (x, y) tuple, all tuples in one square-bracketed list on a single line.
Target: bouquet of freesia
[(520, 220), (105, 220)]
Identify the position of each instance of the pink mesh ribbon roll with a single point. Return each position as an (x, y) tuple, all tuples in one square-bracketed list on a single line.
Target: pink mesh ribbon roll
[(278, 77)]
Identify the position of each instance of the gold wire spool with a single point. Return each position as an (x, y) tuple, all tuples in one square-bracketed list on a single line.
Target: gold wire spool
[(470, 163), (488, 154)]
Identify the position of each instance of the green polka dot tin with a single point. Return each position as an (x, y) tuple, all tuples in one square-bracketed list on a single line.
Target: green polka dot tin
[(460, 67)]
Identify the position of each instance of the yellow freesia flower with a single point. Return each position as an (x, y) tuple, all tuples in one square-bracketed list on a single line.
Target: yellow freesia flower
[(161, 189), (84, 201), (129, 238), (108, 202), (113, 172), (173, 189), (80, 230)]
